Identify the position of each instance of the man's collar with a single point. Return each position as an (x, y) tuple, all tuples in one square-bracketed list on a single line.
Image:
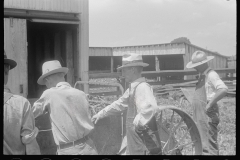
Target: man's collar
[(206, 71), (141, 79), (63, 83)]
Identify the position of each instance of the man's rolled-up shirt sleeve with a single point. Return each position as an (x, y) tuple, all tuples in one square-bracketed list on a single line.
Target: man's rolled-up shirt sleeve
[(28, 130), (216, 81), (146, 105), (41, 105), (116, 107)]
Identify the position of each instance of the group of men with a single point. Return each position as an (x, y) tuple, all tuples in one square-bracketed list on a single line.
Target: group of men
[(69, 111)]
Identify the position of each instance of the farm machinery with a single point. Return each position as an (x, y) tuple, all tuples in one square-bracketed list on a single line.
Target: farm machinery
[(178, 132)]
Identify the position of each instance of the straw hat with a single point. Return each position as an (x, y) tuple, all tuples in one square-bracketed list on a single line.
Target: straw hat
[(51, 67), (198, 58), (10, 62), (132, 59)]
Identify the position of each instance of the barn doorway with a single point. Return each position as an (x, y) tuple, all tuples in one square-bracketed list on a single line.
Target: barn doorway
[(50, 41), (171, 62), (151, 62)]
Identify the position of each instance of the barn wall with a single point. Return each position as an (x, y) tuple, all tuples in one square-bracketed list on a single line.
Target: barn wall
[(100, 51), (219, 61), (15, 46), (71, 6), (158, 49)]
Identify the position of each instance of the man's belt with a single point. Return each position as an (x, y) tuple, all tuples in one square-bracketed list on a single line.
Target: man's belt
[(70, 144)]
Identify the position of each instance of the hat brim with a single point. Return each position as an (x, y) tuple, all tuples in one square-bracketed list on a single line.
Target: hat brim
[(59, 70), (132, 65), (192, 65), (11, 62)]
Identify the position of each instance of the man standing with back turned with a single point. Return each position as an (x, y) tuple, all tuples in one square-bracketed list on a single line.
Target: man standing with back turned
[(138, 99), (19, 125), (69, 111)]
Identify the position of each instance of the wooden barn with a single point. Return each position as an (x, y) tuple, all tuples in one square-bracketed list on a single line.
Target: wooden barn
[(39, 30), (168, 56)]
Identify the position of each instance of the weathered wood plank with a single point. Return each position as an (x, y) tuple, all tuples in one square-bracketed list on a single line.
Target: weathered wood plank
[(83, 32), (46, 47), (57, 47), (160, 73), (69, 57), (107, 93), (53, 5), (75, 54), (15, 40)]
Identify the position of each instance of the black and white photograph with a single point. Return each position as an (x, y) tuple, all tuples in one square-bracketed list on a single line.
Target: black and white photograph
[(120, 77)]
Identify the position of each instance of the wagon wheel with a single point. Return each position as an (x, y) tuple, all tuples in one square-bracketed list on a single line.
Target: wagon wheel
[(178, 132)]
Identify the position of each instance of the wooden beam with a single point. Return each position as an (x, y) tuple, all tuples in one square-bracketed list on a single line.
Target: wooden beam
[(83, 33), (75, 54), (107, 93), (69, 57), (57, 47), (157, 63), (46, 47), (161, 73), (111, 64)]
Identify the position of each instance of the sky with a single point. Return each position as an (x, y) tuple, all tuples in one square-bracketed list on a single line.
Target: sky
[(209, 24)]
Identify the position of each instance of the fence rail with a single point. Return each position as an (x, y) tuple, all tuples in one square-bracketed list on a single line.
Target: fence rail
[(160, 73), (173, 83)]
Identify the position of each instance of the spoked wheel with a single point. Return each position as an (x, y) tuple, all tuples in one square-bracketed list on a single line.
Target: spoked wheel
[(178, 132)]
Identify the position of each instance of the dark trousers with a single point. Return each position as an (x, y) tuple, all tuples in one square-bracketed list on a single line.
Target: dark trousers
[(213, 121), (150, 138)]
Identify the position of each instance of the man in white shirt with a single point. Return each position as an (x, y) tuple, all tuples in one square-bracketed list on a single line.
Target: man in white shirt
[(215, 90), (69, 111), (142, 136)]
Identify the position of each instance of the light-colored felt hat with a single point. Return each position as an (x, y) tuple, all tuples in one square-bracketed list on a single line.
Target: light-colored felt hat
[(8, 61), (132, 59), (198, 58), (51, 67)]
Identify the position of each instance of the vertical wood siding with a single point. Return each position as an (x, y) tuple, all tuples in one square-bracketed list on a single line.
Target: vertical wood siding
[(100, 51), (15, 39), (71, 6)]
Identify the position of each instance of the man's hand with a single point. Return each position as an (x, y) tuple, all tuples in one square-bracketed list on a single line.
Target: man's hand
[(95, 118), (209, 108)]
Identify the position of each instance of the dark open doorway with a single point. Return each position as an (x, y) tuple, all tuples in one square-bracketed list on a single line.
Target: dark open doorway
[(171, 62), (49, 41)]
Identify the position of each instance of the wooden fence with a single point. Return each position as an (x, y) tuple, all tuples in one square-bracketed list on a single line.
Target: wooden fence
[(174, 83)]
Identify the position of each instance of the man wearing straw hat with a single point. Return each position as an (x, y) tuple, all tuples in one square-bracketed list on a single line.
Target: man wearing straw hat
[(209, 90), (69, 112), (19, 125), (141, 129)]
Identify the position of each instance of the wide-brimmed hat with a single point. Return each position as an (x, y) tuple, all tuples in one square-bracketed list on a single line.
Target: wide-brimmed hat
[(51, 67), (132, 59), (8, 61), (198, 58)]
